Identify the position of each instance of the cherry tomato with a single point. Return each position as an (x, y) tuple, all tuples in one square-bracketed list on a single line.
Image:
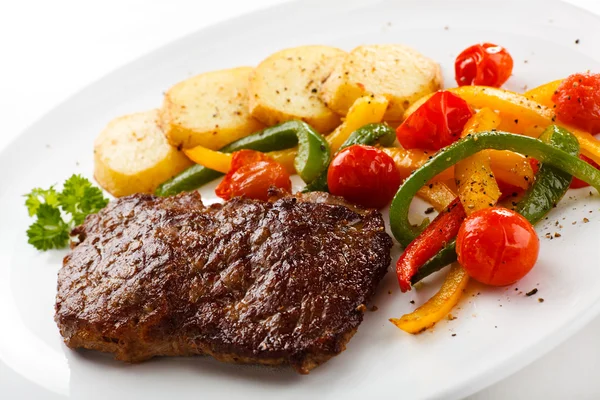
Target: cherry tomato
[(363, 175), (484, 64), (577, 101), (436, 124), (251, 175), (497, 246), (578, 183)]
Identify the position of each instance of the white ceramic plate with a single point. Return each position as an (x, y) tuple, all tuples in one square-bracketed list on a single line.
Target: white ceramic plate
[(497, 330)]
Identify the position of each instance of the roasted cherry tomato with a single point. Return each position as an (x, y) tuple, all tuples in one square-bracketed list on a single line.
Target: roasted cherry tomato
[(363, 175), (436, 124), (251, 175), (578, 183), (577, 101), (483, 64), (497, 246)]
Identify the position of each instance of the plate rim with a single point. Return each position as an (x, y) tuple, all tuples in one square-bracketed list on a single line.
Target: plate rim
[(483, 378)]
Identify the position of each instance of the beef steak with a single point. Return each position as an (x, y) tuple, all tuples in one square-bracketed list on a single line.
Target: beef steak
[(277, 282)]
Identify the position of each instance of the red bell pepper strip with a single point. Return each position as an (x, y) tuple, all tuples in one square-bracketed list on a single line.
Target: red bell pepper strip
[(442, 230)]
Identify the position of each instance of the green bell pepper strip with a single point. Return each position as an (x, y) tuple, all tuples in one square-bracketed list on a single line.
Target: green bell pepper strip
[(549, 187), (447, 157), (551, 183), (313, 155), (368, 134)]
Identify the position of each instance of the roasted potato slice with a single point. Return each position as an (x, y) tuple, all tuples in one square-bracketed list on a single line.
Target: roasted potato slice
[(209, 110), (398, 72), (132, 155), (285, 86)]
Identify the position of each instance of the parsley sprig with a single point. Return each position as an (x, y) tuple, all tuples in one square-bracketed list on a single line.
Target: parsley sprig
[(78, 199)]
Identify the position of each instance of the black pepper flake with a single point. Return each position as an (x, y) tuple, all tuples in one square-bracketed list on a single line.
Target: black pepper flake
[(576, 41), (429, 210), (412, 302), (454, 334), (314, 90), (516, 121), (531, 292)]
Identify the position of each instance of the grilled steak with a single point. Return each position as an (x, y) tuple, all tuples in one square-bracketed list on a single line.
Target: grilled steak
[(278, 282)]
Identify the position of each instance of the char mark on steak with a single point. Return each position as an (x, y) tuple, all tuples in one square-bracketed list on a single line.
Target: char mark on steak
[(277, 282)]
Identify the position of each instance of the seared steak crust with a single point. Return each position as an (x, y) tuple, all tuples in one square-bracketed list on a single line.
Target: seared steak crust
[(246, 281)]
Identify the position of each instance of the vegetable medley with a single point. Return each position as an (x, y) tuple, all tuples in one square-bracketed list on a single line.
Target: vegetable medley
[(492, 162)]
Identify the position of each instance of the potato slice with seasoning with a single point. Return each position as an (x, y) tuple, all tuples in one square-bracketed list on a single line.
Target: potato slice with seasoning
[(285, 86), (132, 155), (400, 73), (209, 110)]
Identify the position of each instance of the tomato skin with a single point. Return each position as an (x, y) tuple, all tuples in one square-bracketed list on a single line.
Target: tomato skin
[(363, 175), (436, 124), (578, 183), (251, 175), (497, 246), (485, 64), (577, 101)]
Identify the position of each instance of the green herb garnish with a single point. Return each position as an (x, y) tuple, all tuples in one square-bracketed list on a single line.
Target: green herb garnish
[(78, 199)]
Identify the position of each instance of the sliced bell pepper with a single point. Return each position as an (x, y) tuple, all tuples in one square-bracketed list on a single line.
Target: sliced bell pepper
[(551, 183), (308, 162), (438, 306), (543, 93), (438, 194), (511, 168), (433, 238), (521, 115), (545, 153), (365, 110), (475, 181), (209, 158), (547, 190), (409, 160), (477, 189)]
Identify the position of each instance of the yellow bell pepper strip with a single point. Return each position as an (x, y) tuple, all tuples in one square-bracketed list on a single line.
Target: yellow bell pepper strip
[(438, 306), (438, 194), (523, 115), (409, 160), (511, 168), (475, 181), (286, 158), (543, 94), (212, 159), (365, 110)]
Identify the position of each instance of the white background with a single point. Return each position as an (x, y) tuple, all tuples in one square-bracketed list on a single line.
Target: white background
[(51, 49)]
